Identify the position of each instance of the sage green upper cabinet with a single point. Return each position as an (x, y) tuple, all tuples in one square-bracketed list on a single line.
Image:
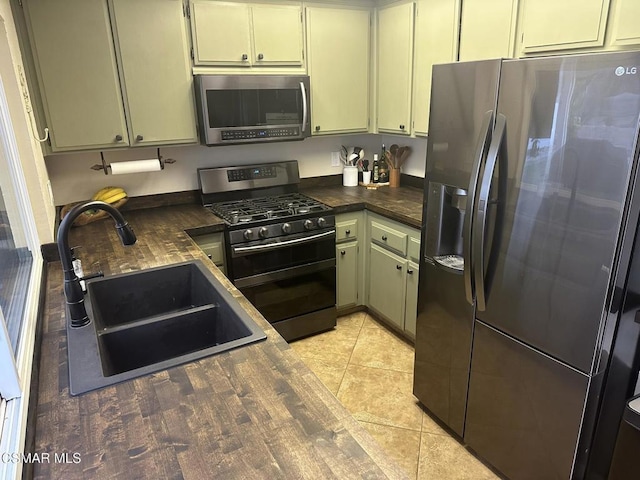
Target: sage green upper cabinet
[(487, 29), (77, 74), (563, 24), (394, 67), (436, 41), (154, 56), (221, 33), (112, 81), (625, 29), (246, 35), (338, 64)]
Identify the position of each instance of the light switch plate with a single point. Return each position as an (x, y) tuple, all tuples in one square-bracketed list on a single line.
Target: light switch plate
[(335, 159)]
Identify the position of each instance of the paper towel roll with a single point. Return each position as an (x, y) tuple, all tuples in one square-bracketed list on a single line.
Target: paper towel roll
[(136, 166)]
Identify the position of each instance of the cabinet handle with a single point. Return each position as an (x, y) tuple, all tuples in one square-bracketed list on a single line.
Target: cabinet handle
[(260, 56), (410, 272), (245, 57), (317, 128), (347, 232), (210, 256), (384, 238), (342, 252), (398, 267), (118, 138), (401, 127), (139, 138)]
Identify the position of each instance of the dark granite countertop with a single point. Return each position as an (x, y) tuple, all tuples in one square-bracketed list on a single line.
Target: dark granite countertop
[(254, 412)]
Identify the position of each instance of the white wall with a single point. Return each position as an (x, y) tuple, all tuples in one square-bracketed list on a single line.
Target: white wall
[(33, 164), (73, 180)]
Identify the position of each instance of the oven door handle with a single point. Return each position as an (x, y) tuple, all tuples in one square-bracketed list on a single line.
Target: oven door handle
[(278, 245)]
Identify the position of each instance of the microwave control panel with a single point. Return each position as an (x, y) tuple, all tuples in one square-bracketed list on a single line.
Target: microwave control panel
[(258, 133)]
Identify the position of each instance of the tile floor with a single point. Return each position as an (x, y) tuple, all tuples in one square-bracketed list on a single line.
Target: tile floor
[(370, 370)]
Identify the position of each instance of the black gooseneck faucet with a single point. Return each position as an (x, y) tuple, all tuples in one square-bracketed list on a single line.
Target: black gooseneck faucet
[(72, 289)]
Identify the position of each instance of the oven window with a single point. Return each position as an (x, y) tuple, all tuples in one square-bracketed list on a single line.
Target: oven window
[(298, 295), (252, 108), (286, 257)]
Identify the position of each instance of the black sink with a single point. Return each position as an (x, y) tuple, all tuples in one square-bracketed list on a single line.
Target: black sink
[(152, 320)]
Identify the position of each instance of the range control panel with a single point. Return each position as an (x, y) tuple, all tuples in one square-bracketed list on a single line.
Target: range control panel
[(257, 133), (251, 173)]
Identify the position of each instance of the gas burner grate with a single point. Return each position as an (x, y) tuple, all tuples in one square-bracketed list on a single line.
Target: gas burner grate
[(263, 208)]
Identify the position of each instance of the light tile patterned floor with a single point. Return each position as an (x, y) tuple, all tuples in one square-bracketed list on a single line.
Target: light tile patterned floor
[(370, 370)]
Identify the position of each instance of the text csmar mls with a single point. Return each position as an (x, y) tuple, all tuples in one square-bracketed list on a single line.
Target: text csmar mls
[(44, 457)]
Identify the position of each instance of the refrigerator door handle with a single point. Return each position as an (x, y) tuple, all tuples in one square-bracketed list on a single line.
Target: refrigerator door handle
[(480, 153), (495, 149)]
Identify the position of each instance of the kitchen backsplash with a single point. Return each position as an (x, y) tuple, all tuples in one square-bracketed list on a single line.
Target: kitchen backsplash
[(73, 180)]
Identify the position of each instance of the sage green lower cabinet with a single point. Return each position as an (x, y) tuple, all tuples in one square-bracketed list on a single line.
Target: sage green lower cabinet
[(347, 274), (393, 253), (387, 283), (349, 260), (212, 245)]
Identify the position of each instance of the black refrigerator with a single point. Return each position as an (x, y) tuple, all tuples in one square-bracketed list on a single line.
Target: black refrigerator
[(526, 341)]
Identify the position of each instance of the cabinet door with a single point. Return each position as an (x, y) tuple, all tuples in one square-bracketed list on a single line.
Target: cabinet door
[(395, 60), (487, 29), (347, 274), (436, 40), (77, 74), (277, 35), (559, 25), (626, 28), (411, 299), (338, 48), (221, 33), (387, 280), (157, 73)]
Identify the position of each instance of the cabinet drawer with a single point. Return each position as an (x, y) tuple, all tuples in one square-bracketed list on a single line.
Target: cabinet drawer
[(347, 230), (414, 249), (212, 246), (389, 238)]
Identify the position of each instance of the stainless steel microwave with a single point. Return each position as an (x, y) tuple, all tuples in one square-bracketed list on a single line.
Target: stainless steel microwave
[(236, 109)]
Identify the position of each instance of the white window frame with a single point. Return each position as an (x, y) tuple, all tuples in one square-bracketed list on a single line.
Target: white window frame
[(16, 367)]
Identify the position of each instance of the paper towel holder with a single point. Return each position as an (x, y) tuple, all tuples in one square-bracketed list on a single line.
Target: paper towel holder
[(105, 167)]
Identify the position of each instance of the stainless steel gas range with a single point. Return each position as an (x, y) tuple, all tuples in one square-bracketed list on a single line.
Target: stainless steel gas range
[(279, 244)]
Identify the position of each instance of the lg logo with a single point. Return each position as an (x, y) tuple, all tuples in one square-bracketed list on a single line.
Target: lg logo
[(626, 71)]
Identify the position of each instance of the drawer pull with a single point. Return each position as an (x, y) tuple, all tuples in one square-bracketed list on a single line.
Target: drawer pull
[(347, 232), (384, 238), (398, 267), (342, 252), (410, 272)]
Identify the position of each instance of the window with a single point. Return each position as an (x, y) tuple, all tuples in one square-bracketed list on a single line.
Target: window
[(20, 274)]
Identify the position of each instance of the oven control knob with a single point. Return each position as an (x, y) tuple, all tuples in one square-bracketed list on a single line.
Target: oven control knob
[(322, 222), (247, 234), (263, 232), (308, 224), (286, 228)]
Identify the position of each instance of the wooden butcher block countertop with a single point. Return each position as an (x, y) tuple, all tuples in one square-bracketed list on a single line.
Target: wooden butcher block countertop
[(252, 412)]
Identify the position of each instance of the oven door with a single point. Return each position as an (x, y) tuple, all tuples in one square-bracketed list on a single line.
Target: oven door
[(291, 281)]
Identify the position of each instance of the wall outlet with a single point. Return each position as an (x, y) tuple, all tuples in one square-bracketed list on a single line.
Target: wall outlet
[(335, 159)]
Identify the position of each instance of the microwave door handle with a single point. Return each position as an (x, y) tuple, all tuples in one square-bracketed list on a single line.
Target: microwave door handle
[(305, 107)]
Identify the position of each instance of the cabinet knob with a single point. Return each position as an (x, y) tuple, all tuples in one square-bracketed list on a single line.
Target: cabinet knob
[(118, 138), (245, 56), (210, 256), (139, 138), (347, 232), (384, 238), (342, 252), (410, 272), (260, 56), (398, 267), (317, 128), (401, 127)]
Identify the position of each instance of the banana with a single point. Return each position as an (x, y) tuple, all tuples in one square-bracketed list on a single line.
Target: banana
[(107, 192), (114, 197)]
